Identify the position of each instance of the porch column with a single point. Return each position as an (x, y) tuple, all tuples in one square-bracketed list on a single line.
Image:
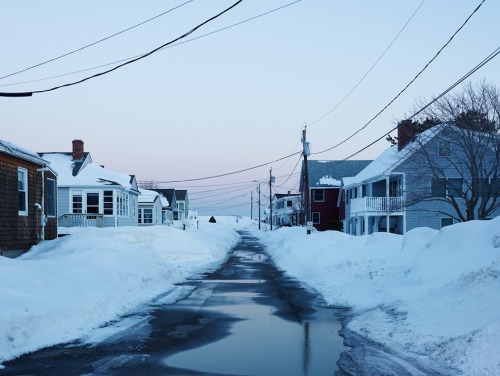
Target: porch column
[(366, 225), (387, 203), (387, 223)]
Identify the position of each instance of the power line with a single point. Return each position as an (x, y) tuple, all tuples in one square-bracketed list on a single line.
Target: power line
[(162, 49), (408, 85), (486, 60), (27, 94), (96, 42), (371, 68)]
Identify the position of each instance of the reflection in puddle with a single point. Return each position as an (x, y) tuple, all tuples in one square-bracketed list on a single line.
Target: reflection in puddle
[(265, 344)]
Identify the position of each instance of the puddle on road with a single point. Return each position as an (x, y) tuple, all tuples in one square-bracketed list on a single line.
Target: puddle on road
[(262, 343)]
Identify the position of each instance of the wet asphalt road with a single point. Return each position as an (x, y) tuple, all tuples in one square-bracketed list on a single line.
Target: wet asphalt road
[(246, 318)]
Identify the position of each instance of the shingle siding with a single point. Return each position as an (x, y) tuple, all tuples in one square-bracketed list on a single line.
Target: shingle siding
[(19, 232)]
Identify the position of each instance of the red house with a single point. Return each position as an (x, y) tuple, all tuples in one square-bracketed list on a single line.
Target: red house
[(326, 211)]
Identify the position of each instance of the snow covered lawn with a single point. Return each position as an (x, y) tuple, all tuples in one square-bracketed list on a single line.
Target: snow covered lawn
[(63, 289), (433, 293)]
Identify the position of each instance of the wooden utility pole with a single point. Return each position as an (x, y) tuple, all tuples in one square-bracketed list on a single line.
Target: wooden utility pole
[(271, 177), (306, 152)]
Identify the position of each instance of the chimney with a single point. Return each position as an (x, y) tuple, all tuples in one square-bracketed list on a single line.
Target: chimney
[(405, 133), (77, 150)]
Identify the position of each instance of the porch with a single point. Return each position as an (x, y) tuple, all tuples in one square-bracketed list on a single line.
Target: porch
[(81, 220)]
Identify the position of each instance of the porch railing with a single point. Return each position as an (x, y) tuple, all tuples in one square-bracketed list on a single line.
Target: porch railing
[(376, 204), (81, 220)]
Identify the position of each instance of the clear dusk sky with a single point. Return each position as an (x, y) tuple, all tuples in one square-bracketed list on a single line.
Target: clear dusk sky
[(234, 99)]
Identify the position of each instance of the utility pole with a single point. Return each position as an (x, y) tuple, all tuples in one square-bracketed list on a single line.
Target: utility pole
[(251, 205), (259, 205), (306, 152), (271, 181)]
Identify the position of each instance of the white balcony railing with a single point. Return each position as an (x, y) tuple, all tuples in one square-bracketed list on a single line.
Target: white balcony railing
[(81, 220), (376, 204)]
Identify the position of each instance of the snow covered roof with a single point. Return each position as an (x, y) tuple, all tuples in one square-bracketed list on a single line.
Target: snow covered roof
[(19, 152), (330, 173), (89, 174), (390, 158), (149, 197)]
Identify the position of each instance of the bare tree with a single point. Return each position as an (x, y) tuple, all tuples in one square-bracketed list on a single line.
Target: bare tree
[(464, 158), (148, 184)]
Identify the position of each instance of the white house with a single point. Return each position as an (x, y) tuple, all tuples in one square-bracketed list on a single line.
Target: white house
[(151, 205), (421, 182), (287, 209), (89, 195)]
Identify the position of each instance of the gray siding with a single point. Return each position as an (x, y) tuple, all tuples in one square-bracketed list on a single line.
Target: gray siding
[(62, 201)]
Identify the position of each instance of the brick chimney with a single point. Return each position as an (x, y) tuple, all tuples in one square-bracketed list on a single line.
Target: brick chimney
[(405, 133), (77, 150)]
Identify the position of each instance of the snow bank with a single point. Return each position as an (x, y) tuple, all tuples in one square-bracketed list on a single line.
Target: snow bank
[(434, 293), (62, 289)]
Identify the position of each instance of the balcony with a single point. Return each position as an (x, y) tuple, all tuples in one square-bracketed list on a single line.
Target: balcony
[(80, 220), (381, 205)]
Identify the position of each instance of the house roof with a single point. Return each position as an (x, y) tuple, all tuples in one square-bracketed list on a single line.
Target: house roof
[(148, 196), (391, 158), (328, 174), (180, 194), (77, 173), (169, 194), (19, 152)]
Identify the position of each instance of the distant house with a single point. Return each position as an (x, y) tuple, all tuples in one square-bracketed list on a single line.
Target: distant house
[(407, 185), (287, 209), (325, 179), (169, 202), (28, 194), (181, 211), (91, 195), (150, 208)]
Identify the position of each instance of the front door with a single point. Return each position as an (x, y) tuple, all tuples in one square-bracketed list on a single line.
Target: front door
[(92, 203)]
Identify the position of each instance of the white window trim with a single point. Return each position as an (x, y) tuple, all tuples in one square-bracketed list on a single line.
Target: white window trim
[(25, 182)]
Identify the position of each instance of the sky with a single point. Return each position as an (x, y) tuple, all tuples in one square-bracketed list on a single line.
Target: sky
[(430, 296), (232, 99)]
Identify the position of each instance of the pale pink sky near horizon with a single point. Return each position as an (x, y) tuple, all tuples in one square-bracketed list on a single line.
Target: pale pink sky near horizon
[(234, 99)]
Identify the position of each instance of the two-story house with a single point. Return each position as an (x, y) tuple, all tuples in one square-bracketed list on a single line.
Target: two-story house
[(90, 195), (324, 183), (287, 209), (420, 182), (28, 194)]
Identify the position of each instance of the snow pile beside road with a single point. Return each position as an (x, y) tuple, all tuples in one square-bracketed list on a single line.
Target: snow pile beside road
[(64, 288), (435, 293)]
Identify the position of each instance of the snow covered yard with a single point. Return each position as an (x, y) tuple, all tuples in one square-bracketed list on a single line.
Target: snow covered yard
[(432, 293), (63, 289)]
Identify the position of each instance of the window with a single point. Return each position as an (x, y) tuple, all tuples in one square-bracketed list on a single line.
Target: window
[(447, 187), (145, 216), (455, 187), (108, 202), (319, 195), (395, 188), (446, 222), (316, 217), (280, 204), (22, 188), (77, 202), (289, 204), (444, 148), (122, 204), (51, 197), (363, 190)]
